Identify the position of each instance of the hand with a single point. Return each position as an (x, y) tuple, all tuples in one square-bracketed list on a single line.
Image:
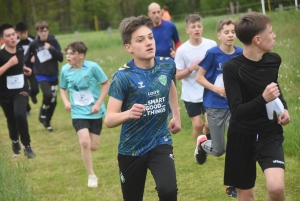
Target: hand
[(172, 53), (95, 109), (27, 71), (32, 59), (13, 61), (220, 90), (284, 118), (68, 106), (195, 65), (136, 111), (174, 125), (271, 92), (47, 46)]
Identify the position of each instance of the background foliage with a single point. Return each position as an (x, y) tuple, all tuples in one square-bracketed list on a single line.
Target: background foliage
[(57, 173), (78, 15)]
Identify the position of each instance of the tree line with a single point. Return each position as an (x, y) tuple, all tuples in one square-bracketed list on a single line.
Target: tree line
[(72, 15)]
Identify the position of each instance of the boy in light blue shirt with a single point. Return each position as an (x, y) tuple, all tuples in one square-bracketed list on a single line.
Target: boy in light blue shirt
[(82, 79)]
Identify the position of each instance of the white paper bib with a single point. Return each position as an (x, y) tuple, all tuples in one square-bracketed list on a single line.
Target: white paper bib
[(44, 55), (83, 98), (15, 81)]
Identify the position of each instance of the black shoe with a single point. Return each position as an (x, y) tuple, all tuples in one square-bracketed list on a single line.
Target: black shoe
[(231, 192), (28, 152), (16, 147), (208, 136), (47, 125), (199, 154), (34, 99)]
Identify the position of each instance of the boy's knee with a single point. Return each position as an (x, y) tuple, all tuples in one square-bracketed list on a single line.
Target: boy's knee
[(47, 97), (219, 152), (167, 193), (276, 192), (84, 144), (94, 147)]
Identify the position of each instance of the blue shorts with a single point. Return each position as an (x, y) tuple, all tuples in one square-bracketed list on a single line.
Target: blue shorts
[(194, 109)]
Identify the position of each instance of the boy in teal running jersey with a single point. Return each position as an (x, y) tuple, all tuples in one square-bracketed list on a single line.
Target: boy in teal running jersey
[(82, 78)]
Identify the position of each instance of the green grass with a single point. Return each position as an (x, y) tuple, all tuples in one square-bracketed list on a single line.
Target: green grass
[(57, 173)]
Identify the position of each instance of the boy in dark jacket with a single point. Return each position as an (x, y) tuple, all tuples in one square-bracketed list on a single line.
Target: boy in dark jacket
[(47, 53)]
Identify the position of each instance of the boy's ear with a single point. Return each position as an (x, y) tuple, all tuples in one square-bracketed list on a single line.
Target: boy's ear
[(219, 36), (256, 40), (81, 56), (186, 30), (128, 48)]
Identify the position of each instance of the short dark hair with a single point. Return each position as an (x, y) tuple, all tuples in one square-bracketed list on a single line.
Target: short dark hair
[(3, 27), (130, 24), (222, 23), (250, 25), (21, 27), (192, 18), (40, 25), (78, 46)]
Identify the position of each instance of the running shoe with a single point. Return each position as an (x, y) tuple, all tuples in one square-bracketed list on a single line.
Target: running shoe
[(92, 181), (199, 154), (28, 152), (231, 192), (16, 147)]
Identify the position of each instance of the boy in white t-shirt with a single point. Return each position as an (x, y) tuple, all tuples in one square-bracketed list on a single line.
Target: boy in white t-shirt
[(188, 55), (82, 78)]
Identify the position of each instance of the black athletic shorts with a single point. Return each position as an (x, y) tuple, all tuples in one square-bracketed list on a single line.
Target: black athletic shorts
[(194, 109), (243, 151), (94, 125)]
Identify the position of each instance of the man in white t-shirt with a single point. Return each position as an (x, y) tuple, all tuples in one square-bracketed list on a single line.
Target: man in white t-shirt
[(187, 57)]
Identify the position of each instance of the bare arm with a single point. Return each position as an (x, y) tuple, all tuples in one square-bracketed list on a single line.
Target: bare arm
[(96, 107), (175, 123), (180, 74), (27, 71), (63, 94), (200, 78), (115, 118)]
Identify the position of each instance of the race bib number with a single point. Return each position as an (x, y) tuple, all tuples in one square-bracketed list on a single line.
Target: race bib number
[(83, 98), (15, 81), (44, 55)]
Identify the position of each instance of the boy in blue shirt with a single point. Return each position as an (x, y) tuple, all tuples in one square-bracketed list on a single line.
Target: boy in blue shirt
[(210, 76), (139, 96), (82, 79)]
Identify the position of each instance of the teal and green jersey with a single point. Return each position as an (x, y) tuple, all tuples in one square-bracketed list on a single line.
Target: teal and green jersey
[(85, 79), (149, 87)]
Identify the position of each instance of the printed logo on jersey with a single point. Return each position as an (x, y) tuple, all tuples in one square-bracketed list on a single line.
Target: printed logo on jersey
[(220, 66), (153, 93), (277, 161), (141, 85), (156, 106), (124, 67), (163, 79), (86, 78)]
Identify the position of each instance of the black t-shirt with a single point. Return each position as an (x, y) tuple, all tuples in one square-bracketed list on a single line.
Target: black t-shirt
[(25, 43), (245, 82), (5, 93)]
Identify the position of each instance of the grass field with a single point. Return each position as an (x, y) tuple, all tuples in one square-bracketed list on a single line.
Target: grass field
[(57, 173)]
